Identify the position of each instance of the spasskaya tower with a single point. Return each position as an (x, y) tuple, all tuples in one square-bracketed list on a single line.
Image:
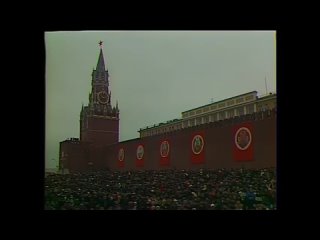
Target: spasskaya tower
[(99, 121)]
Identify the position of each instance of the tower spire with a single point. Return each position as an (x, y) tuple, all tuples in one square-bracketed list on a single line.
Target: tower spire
[(100, 64)]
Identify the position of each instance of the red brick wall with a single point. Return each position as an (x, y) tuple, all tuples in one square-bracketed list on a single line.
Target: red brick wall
[(218, 148), (82, 156), (78, 155)]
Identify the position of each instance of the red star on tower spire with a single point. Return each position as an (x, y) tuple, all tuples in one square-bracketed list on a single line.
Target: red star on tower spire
[(100, 44)]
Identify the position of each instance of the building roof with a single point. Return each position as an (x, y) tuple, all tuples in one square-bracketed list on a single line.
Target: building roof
[(266, 96), (220, 101), (261, 98)]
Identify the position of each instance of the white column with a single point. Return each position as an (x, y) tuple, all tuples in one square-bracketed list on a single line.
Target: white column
[(235, 112), (244, 110), (254, 107)]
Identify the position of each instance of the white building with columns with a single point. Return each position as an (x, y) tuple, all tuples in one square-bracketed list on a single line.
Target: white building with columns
[(244, 104)]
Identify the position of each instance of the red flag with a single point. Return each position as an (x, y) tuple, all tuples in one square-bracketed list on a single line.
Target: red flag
[(164, 153), (197, 148), (242, 142), (140, 156), (121, 157)]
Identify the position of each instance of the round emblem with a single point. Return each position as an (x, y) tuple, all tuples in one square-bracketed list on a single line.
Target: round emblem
[(164, 149), (140, 152), (121, 154), (243, 138), (197, 144)]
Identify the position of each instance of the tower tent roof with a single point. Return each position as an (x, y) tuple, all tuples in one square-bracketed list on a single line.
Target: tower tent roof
[(100, 64)]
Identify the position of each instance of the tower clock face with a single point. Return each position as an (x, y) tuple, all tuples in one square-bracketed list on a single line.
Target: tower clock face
[(102, 97)]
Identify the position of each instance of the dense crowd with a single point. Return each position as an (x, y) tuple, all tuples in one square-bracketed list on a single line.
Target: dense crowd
[(221, 189)]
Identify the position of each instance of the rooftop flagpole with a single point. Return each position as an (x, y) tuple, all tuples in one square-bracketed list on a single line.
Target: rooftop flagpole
[(265, 81)]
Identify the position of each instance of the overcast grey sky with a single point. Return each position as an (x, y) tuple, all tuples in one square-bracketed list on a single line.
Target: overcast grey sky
[(154, 75)]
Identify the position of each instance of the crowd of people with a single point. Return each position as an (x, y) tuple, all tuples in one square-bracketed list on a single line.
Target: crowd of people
[(220, 189)]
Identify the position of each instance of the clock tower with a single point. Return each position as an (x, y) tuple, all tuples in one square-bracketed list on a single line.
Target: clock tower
[(99, 121)]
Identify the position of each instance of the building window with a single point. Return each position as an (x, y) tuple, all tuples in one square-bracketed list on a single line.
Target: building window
[(184, 124), (212, 116), (239, 100), (221, 115), (213, 107), (249, 97), (231, 113), (230, 102), (250, 109), (240, 111), (221, 105), (198, 121)]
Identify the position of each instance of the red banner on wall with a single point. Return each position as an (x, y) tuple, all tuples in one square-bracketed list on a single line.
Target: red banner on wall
[(121, 157), (197, 148), (140, 156), (242, 142), (164, 153)]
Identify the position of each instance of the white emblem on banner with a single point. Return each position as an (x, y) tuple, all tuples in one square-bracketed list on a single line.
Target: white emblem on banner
[(140, 152), (197, 144), (243, 138), (164, 149)]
